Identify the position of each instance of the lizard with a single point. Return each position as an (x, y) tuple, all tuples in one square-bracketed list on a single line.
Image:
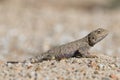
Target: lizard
[(79, 48)]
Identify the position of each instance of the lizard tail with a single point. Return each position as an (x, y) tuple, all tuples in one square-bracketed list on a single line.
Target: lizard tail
[(34, 59), (13, 62)]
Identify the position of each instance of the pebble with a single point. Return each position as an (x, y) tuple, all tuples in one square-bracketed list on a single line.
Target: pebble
[(105, 78), (113, 76)]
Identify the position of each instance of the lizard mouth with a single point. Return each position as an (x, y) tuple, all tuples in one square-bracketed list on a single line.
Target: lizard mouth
[(102, 37)]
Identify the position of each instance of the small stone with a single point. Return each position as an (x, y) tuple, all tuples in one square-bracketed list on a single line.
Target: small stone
[(100, 66), (113, 76), (52, 63), (96, 72), (113, 66), (30, 66), (105, 78), (92, 64), (118, 70)]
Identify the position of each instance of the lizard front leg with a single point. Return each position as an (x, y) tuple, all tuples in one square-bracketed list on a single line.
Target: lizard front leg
[(83, 52), (88, 55)]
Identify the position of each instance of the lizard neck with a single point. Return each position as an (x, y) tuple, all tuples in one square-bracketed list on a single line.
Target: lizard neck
[(83, 42), (86, 39)]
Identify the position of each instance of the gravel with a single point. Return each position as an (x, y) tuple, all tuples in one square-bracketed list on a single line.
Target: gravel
[(101, 68)]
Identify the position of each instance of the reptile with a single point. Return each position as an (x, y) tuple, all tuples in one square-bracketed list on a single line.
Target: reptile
[(79, 48)]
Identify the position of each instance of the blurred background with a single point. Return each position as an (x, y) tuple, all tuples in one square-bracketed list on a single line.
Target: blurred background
[(30, 27)]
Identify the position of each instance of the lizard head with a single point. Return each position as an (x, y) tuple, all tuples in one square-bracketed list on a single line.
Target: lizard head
[(96, 36)]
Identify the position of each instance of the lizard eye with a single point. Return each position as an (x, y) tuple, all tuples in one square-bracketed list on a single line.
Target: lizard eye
[(99, 31)]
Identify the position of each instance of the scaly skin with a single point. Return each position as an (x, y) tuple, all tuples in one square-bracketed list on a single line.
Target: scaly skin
[(78, 48)]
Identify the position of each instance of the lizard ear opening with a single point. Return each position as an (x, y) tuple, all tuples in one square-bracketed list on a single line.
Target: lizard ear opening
[(91, 39)]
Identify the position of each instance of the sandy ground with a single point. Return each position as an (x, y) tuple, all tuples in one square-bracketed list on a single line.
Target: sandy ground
[(101, 68)]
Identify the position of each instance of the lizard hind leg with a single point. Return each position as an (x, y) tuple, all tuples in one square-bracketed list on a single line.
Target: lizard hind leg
[(33, 59), (88, 55), (83, 53), (77, 54), (48, 57)]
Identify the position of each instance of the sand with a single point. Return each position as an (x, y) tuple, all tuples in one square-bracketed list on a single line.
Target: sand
[(101, 68)]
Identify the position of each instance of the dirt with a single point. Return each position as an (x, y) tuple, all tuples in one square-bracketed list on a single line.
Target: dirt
[(101, 68)]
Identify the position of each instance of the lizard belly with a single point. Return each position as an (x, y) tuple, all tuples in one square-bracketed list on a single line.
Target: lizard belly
[(65, 55)]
